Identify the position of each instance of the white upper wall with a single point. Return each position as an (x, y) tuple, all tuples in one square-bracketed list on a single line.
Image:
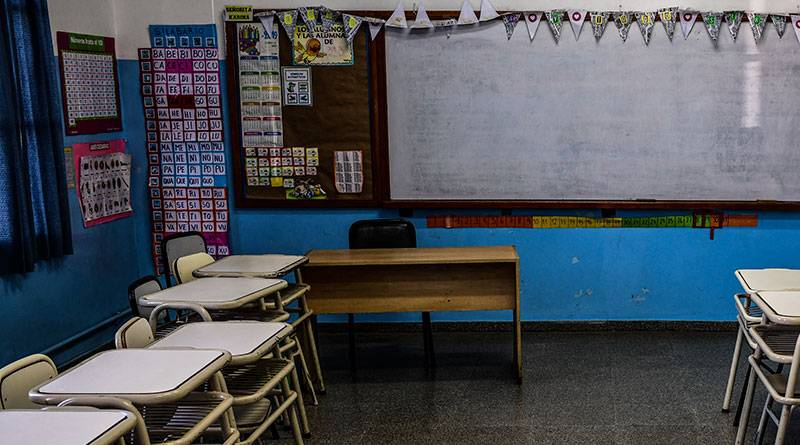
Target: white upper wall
[(83, 16), (128, 19)]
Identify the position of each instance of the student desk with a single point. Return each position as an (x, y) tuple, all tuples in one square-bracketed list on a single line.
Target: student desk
[(64, 426), (780, 307), (264, 266), (216, 293), (755, 280), (417, 280)]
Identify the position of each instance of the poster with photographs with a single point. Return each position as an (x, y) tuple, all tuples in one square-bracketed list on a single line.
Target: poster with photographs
[(103, 175)]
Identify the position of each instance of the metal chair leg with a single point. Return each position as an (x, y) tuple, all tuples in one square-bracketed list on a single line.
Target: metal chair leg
[(741, 396), (762, 424), (786, 415), (747, 404), (427, 333), (351, 338), (737, 350)]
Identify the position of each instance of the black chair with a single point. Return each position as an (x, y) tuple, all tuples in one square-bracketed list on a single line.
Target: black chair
[(177, 245), (145, 285), (384, 234)]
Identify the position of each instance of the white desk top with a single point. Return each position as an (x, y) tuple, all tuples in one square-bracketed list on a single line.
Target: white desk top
[(247, 341), (64, 426), (216, 293), (756, 280), (266, 266), (138, 375), (781, 307)]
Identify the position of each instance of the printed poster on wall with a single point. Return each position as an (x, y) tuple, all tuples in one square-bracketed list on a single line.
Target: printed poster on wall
[(89, 83), (181, 94), (320, 47), (297, 86), (103, 176)]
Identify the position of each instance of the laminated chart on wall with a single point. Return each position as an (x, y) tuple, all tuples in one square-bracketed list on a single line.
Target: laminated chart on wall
[(89, 83), (181, 94), (103, 177)]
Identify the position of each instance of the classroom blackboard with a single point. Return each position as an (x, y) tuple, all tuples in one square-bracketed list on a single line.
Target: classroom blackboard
[(473, 117)]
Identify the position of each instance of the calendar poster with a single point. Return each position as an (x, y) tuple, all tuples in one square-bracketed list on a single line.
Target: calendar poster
[(89, 83), (187, 178), (103, 175)]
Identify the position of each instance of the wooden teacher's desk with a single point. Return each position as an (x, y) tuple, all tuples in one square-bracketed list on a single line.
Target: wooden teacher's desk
[(417, 280)]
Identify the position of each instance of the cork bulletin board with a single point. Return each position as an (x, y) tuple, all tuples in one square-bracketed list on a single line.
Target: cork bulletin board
[(304, 120)]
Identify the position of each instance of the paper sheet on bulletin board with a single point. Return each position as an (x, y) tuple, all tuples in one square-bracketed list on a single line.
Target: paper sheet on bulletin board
[(89, 83), (103, 177)]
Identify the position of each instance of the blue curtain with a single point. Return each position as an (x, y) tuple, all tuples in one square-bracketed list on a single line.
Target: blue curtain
[(34, 211)]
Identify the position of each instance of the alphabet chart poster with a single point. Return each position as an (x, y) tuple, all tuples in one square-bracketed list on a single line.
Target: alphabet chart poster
[(89, 83), (180, 81), (103, 175)]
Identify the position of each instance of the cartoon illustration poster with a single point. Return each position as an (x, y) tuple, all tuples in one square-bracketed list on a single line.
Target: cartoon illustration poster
[(321, 47)]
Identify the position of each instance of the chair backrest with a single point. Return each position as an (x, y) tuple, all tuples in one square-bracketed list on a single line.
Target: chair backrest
[(135, 333), (17, 378), (382, 233), (177, 245), (145, 285), (185, 265)]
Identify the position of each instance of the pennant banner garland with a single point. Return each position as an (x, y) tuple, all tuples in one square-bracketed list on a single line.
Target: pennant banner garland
[(713, 20), (351, 25), (687, 22), (646, 21), (510, 22), (734, 20), (796, 26), (288, 20), (623, 22), (757, 24), (669, 17), (555, 19), (780, 24), (576, 18), (598, 20), (532, 19)]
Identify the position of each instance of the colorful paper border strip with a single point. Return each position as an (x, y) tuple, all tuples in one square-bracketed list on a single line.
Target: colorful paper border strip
[(700, 220)]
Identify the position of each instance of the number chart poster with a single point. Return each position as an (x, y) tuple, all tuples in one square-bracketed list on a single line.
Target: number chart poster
[(89, 83), (103, 175), (180, 81)]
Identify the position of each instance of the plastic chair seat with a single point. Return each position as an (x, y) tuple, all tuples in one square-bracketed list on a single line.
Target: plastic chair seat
[(250, 416)]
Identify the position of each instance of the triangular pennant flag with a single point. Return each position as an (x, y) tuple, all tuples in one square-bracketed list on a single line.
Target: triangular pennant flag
[(467, 15), (532, 19), (351, 25), (510, 22), (288, 20), (576, 19), (327, 17), (599, 20), (780, 24), (623, 22), (375, 26), (796, 26), (646, 21), (267, 21), (422, 20), (757, 24), (687, 22), (487, 11), (555, 18), (309, 16), (398, 17), (734, 20), (713, 20), (668, 17)]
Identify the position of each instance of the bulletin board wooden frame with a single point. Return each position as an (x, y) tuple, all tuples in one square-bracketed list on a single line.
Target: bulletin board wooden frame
[(373, 178)]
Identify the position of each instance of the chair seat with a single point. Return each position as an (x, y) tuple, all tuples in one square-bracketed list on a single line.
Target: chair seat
[(249, 314), (252, 382), (172, 421), (252, 415)]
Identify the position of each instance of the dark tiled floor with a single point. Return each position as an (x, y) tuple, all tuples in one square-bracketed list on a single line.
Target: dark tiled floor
[(579, 388)]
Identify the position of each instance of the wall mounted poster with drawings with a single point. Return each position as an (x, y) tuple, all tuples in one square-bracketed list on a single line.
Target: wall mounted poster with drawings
[(103, 175), (89, 84), (284, 154), (349, 176)]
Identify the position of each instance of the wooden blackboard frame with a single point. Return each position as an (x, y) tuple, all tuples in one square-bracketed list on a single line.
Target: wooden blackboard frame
[(382, 168)]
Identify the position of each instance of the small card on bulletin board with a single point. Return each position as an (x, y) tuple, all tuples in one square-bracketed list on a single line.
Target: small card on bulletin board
[(303, 133), (103, 177), (89, 83)]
